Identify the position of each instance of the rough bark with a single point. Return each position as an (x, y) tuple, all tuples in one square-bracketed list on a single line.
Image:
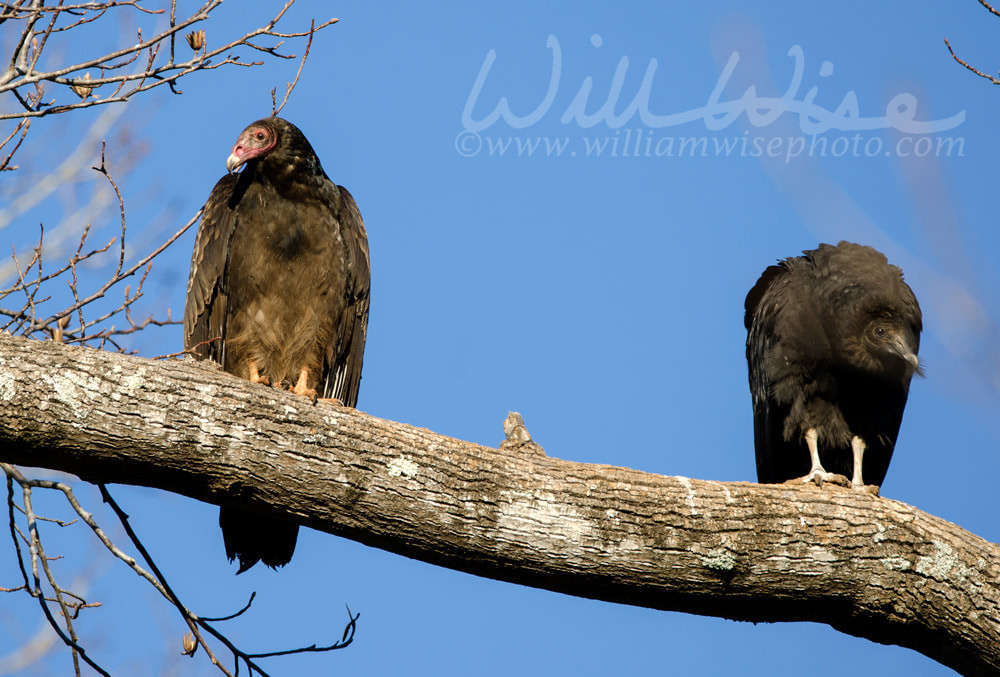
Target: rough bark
[(867, 566)]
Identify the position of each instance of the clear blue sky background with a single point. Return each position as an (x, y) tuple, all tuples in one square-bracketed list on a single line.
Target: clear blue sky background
[(599, 295)]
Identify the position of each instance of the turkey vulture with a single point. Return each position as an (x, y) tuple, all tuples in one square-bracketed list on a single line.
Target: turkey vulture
[(278, 293), (832, 341)]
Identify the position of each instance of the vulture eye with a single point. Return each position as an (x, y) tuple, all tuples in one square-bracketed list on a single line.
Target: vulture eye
[(879, 332), (261, 135)]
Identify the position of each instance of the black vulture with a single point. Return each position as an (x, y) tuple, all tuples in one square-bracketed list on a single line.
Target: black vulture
[(278, 293), (832, 342)]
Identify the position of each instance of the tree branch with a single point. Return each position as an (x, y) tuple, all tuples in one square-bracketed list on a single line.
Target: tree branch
[(969, 66), (867, 566)]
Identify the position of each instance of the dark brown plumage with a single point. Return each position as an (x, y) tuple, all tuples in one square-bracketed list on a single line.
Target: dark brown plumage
[(278, 292), (832, 345)]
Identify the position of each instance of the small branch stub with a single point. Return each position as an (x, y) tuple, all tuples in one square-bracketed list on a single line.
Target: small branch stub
[(517, 436)]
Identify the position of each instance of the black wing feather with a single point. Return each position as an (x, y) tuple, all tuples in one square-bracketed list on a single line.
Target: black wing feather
[(761, 317), (206, 304), (346, 356)]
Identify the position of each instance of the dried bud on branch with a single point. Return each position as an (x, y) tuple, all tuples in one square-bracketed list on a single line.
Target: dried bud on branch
[(196, 39), (190, 644), (81, 89)]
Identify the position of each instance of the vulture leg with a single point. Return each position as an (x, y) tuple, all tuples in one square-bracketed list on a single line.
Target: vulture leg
[(816, 473), (858, 447), (302, 386), (255, 376)]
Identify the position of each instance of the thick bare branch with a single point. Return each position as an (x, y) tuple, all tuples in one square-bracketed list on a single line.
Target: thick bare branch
[(868, 566)]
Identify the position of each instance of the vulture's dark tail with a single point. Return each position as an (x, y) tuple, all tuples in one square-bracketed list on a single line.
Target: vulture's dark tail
[(255, 538)]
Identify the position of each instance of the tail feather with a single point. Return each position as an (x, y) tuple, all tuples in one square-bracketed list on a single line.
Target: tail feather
[(253, 538)]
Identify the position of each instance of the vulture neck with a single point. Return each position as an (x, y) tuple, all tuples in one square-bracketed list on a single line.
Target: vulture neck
[(294, 178)]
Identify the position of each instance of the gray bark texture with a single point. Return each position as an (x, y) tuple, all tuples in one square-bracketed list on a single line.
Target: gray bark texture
[(868, 566)]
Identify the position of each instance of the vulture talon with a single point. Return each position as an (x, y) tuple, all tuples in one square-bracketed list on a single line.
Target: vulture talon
[(302, 385), (255, 376), (818, 478)]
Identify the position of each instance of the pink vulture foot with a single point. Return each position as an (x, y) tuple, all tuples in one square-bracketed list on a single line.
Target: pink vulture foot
[(819, 476), (255, 376), (301, 387)]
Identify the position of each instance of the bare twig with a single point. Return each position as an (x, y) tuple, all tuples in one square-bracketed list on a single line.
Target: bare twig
[(975, 70), (989, 7), (233, 615), (22, 127), (193, 350), (121, 207), (291, 85), (345, 640)]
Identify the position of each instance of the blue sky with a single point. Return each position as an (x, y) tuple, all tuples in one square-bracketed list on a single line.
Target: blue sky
[(599, 294)]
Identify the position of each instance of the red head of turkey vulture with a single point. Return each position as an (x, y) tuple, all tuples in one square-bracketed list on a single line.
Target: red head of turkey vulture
[(278, 292), (832, 345)]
